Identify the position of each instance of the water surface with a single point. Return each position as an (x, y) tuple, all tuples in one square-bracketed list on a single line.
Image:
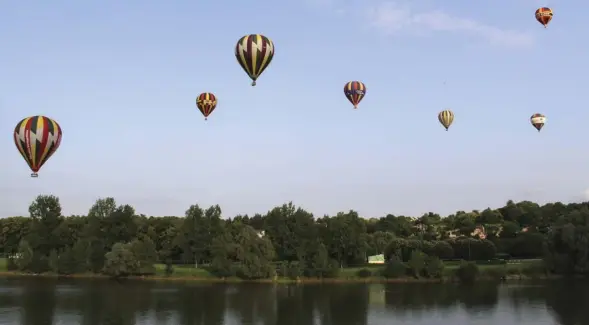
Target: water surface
[(35, 301)]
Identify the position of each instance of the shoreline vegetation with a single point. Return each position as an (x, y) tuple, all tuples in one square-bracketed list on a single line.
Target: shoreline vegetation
[(519, 241), (516, 271)]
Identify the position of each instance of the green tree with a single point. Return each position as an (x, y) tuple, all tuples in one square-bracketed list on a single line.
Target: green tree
[(120, 261), (417, 263), (24, 257), (45, 211), (145, 255), (291, 230), (346, 238)]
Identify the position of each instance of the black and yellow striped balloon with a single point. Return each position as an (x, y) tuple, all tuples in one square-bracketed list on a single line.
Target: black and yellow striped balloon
[(446, 117), (254, 53)]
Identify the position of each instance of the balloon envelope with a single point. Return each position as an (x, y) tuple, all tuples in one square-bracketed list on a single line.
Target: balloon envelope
[(355, 92), (206, 103), (254, 53), (37, 138), (544, 16), (446, 117)]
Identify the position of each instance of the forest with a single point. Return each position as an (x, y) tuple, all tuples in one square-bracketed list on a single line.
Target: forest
[(288, 241)]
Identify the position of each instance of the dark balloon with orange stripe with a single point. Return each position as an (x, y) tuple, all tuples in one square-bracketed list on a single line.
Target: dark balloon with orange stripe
[(544, 16), (37, 138), (355, 92), (206, 103)]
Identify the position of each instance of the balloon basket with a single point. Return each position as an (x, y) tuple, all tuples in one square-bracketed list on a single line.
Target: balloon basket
[(34, 175)]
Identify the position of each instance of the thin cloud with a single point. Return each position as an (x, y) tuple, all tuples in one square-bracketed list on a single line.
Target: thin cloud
[(393, 18)]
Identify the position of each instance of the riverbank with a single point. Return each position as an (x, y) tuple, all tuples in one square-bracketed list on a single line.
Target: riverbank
[(508, 278), (366, 274)]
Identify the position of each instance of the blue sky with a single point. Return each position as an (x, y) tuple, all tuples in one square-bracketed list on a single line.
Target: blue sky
[(121, 77)]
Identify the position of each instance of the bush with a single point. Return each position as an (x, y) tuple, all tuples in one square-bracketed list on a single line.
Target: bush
[(333, 269), (364, 273), (221, 268), (11, 264), (293, 270), (282, 269), (417, 263), (467, 272), (169, 268), (434, 267), (394, 268)]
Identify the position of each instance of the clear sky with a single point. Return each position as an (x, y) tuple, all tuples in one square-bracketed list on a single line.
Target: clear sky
[(121, 78)]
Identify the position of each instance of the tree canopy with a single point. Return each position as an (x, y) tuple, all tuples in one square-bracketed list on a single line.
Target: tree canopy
[(115, 240)]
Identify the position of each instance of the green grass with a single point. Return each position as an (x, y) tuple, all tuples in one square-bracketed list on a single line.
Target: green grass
[(183, 271), (188, 271)]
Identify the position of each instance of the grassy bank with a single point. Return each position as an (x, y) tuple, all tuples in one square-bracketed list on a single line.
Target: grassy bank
[(511, 271)]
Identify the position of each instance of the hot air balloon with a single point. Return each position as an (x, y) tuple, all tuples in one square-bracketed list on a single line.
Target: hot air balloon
[(446, 117), (355, 91), (544, 16), (538, 121), (206, 103), (254, 53), (37, 138)]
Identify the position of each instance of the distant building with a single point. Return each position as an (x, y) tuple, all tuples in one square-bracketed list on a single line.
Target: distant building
[(479, 231), (376, 259)]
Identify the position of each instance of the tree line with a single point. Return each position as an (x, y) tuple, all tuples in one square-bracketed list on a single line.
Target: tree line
[(113, 239)]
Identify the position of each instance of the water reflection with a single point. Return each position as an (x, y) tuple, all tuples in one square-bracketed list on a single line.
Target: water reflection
[(47, 302)]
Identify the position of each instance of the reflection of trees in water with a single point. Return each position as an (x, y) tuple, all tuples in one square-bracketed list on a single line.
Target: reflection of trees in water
[(569, 302), (10, 294), (343, 304), (252, 303), (101, 302), (202, 304), (299, 304), (38, 302), (110, 302), (525, 294), (417, 297), (294, 305)]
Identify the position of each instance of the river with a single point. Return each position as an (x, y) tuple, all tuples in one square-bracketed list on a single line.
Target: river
[(38, 301)]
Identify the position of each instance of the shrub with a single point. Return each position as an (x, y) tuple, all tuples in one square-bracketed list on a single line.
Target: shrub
[(417, 263), (282, 269), (221, 268), (434, 267), (467, 272), (364, 273), (394, 268), (333, 269), (169, 268), (293, 270), (11, 264)]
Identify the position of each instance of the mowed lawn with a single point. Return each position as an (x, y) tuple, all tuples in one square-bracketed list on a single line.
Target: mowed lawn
[(191, 271), (449, 266), (184, 271)]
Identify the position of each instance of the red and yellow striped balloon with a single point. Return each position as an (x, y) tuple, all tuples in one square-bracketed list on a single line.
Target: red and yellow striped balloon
[(544, 16), (206, 103)]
